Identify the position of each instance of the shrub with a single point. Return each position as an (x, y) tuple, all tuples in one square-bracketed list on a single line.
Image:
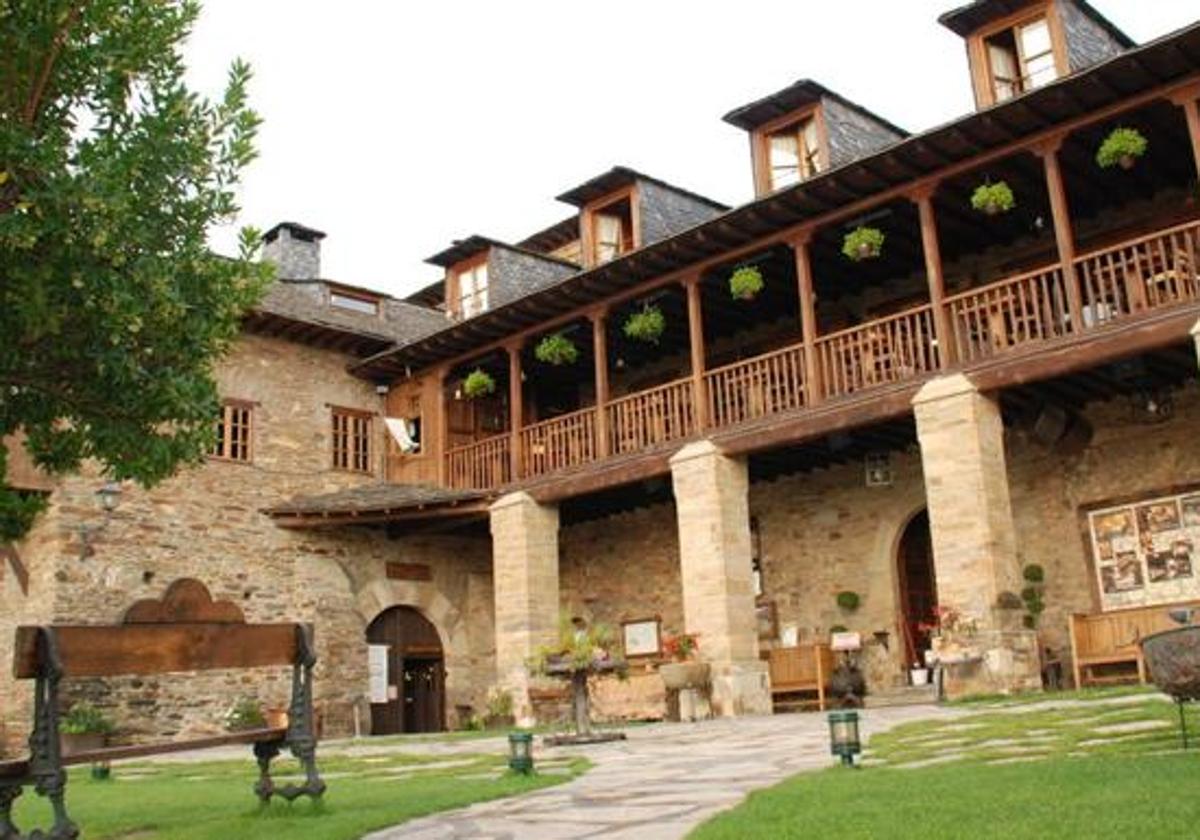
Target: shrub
[(556, 349), (1034, 573), (479, 383), (848, 600), (245, 714), (746, 282), (1121, 147), (863, 243), (85, 719), (647, 325), (993, 198), (838, 628)]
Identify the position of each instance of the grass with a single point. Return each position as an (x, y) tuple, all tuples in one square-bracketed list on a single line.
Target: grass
[(1028, 698), (214, 800), (1109, 769)]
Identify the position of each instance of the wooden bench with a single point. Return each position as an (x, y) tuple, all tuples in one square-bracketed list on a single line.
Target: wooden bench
[(803, 668), (185, 631), (1111, 638)]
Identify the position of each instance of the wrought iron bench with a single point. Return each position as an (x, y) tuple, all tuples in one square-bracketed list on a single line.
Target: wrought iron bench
[(185, 631), (1111, 638)]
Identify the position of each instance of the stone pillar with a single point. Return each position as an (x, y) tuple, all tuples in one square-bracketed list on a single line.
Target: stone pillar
[(718, 594), (1196, 336), (525, 576), (974, 539)]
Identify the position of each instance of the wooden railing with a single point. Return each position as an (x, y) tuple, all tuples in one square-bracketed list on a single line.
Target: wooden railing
[(1012, 312), (481, 465), (651, 417), (1146, 273), (891, 349), (558, 443), (755, 387)]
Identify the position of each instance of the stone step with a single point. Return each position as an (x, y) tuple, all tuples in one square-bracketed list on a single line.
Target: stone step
[(908, 695)]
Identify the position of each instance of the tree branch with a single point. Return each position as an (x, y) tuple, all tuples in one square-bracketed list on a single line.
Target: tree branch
[(56, 46)]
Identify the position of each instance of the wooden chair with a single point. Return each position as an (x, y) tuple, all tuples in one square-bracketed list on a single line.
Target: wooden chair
[(1111, 638), (801, 669), (185, 631)]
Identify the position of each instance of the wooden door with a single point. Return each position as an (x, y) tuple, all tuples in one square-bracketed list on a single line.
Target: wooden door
[(415, 673), (918, 585)]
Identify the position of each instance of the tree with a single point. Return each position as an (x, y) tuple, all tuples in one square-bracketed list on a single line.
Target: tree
[(113, 311)]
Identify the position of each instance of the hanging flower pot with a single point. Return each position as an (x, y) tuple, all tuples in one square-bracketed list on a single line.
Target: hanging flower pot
[(647, 325), (556, 349), (479, 383), (745, 283), (1122, 147), (863, 243), (993, 199)]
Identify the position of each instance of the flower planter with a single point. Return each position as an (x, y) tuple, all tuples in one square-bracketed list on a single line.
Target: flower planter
[(677, 676), (919, 676), (82, 742), (276, 718), (1127, 162)]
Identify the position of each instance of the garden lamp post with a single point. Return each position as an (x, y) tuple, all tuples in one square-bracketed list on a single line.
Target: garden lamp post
[(843, 735), (520, 752)]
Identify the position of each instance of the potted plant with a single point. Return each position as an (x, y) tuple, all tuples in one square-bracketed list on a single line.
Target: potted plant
[(499, 710), (479, 383), (683, 669), (583, 651), (848, 600), (556, 349), (245, 714), (646, 325), (82, 728), (1122, 147), (746, 282), (993, 199), (863, 243), (1031, 595), (918, 674)]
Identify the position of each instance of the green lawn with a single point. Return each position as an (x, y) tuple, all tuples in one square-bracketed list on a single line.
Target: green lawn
[(1109, 769), (214, 801)]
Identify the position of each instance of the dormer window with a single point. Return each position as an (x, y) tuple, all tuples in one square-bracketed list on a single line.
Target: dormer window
[(612, 230), (471, 296), (1020, 59), (794, 153), (363, 303)]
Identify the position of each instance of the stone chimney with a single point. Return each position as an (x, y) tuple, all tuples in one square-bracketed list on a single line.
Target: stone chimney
[(295, 250)]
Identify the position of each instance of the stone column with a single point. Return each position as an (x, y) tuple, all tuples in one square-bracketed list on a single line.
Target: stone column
[(525, 577), (1196, 336), (718, 594), (974, 539)]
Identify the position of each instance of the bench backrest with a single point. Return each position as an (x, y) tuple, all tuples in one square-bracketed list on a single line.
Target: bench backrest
[(802, 665), (1120, 631), (185, 631)]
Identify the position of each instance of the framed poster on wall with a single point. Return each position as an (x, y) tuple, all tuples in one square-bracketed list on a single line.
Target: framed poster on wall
[(1144, 552), (641, 637)]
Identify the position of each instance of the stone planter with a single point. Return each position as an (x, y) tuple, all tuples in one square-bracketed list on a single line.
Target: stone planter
[(276, 718), (82, 742), (677, 676)]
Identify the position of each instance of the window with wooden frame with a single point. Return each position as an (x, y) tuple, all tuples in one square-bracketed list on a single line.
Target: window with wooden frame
[(794, 153), (1021, 58), (351, 436), (235, 432), (612, 229), (470, 289)]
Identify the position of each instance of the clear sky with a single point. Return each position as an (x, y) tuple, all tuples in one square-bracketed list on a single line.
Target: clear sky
[(397, 127)]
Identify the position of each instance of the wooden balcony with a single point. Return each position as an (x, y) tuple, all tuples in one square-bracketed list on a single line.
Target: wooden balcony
[(1115, 285)]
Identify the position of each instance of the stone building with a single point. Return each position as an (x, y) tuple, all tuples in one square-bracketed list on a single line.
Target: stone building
[(998, 386)]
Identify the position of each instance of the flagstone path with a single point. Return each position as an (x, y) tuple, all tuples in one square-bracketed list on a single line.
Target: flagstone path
[(659, 784)]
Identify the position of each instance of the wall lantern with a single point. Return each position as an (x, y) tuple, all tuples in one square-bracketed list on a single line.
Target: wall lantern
[(843, 735), (520, 752), (878, 469), (109, 496)]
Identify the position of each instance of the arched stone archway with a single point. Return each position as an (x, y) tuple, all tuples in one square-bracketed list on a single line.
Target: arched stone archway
[(412, 679), (916, 582)]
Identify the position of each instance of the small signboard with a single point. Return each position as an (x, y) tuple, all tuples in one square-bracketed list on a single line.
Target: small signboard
[(845, 641), (377, 672)]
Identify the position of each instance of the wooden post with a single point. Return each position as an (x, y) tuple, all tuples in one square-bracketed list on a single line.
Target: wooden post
[(696, 338), (1191, 112), (516, 407), (441, 427), (933, 273), (599, 320), (1064, 234), (813, 392)]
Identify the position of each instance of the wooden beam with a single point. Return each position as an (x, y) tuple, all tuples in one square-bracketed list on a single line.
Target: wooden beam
[(599, 318), (1064, 233), (933, 275), (516, 407), (696, 343), (814, 392)]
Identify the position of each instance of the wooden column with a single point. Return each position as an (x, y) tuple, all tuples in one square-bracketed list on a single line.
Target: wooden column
[(696, 338), (813, 392), (1191, 112), (933, 273), (516, 407), (1064, 234), (441, 425), (599, 320)]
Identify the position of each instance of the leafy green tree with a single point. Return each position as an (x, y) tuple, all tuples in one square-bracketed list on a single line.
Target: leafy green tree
[(113, 310)]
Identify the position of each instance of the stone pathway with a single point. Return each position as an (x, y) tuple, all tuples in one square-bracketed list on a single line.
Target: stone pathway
[(661, 783)]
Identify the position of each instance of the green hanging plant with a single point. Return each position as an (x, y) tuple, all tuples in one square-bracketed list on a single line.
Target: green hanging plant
[(863, 243), (479, 383), (647, 325), (746, 282), (556, 349), (993, 198), (848, 600), (1122, 147)]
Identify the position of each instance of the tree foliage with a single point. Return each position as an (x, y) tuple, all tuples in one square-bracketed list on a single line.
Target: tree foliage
[(113, 310)]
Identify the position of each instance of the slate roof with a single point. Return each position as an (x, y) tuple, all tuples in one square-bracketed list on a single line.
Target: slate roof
[(622, 176), (796, 95), (374, 498), (966, 19)]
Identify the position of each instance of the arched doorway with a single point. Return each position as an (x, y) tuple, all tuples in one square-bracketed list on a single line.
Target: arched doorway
[(416, 674), (918, 585)]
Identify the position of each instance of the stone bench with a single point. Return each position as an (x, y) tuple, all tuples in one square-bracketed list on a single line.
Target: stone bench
[(185, 631)]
